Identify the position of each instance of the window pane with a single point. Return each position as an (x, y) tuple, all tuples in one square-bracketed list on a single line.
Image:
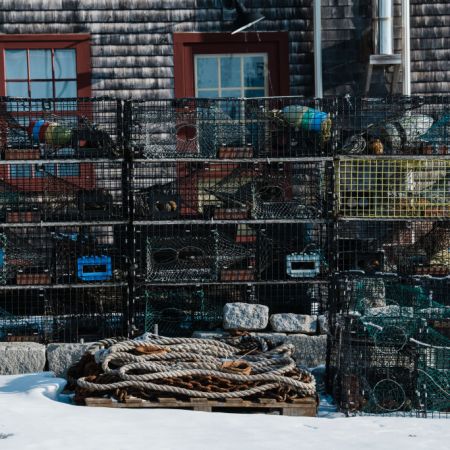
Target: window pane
[(254, 93), (66, 89), (20, 171), (17, 89), (254, 71), (65, 64), (230, 71), (16, 64), (41, 64), (207, 76), (208, 94), (44, 170), (231, 93), (41, 89), (69, 170)]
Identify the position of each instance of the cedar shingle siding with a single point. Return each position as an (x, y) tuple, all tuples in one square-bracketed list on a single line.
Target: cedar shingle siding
[(132, 39)]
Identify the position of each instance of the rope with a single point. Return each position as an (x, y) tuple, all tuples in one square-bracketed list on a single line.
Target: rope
[(181, 366)]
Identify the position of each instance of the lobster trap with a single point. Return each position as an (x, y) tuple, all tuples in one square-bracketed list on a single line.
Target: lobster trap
[(231, 191), (390, 349), (417, 248), (232, 128), (393, 126), (60, 191), (62, 314), (392, 188), (239, 252), (62, 255), (59, 129)]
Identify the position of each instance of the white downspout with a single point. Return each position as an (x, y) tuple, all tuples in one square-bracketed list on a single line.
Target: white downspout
[(406, 48), (317, 22)]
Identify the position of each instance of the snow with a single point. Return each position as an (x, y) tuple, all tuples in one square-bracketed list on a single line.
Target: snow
[(34, 415)]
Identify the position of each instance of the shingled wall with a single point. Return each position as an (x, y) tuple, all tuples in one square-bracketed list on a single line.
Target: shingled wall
[(132, 54)]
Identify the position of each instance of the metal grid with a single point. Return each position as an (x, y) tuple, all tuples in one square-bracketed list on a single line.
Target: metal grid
[(241, 252), (390, 349), (392, 188), (418, 248), (59, 129), (61, 255), (393, 126), (62, 314), (52, 191), (232, 128), (230, 191)]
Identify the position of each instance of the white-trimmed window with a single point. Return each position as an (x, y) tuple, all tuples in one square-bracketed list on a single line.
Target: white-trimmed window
[(231, 75)]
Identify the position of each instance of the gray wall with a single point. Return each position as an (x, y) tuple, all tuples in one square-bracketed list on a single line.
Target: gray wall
[(132, 39)]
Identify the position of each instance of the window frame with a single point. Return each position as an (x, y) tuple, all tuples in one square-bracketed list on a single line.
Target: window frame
[(187, 45), (80, 42)]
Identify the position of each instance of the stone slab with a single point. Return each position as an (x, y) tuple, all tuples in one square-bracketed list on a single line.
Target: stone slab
[(294, 323), (21, 357), (61, 356), (245, 316), (310, 351)]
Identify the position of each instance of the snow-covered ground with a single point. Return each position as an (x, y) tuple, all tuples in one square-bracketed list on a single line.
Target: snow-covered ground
[(31, 417)]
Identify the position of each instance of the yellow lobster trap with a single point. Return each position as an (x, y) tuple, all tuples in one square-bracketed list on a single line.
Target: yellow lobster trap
[(392, 188)]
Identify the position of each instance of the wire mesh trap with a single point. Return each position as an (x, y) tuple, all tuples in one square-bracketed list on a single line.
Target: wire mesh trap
[(393, 126), (61, 255), (232, 253), (418, 248), (59, 129), (61, 315), (390, 348), (231, 128), (389, 188), (51, 191), (231, 191)]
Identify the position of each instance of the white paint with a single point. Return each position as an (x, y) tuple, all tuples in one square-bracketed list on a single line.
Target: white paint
[(317, 20), (385, 28), (406, 48)]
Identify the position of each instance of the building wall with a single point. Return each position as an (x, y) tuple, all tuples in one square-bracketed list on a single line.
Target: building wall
[(132, 54)]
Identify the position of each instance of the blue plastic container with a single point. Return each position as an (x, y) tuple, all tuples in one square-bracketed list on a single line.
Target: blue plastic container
[(94, 268)]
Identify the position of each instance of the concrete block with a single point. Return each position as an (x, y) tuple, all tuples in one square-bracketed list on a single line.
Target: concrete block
[(294, 323), (21, 357), (310, 351), (245, 316), (61, 356)]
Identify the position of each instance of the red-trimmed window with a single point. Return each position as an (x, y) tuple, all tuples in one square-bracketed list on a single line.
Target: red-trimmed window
[(45, 66), (223, 65)]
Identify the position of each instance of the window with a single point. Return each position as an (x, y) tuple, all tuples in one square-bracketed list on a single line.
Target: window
[(232, 75), (225, 65), (20, 171), (45, 66)]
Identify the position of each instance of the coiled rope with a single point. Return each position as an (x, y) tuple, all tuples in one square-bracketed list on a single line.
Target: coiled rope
[(180, 366)]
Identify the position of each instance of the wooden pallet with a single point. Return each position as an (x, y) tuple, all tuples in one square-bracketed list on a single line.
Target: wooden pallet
[(300, 407)]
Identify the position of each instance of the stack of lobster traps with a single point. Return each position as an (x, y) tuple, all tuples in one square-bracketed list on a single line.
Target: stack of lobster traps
[(232, 202), (390, 318), (62, 220)]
